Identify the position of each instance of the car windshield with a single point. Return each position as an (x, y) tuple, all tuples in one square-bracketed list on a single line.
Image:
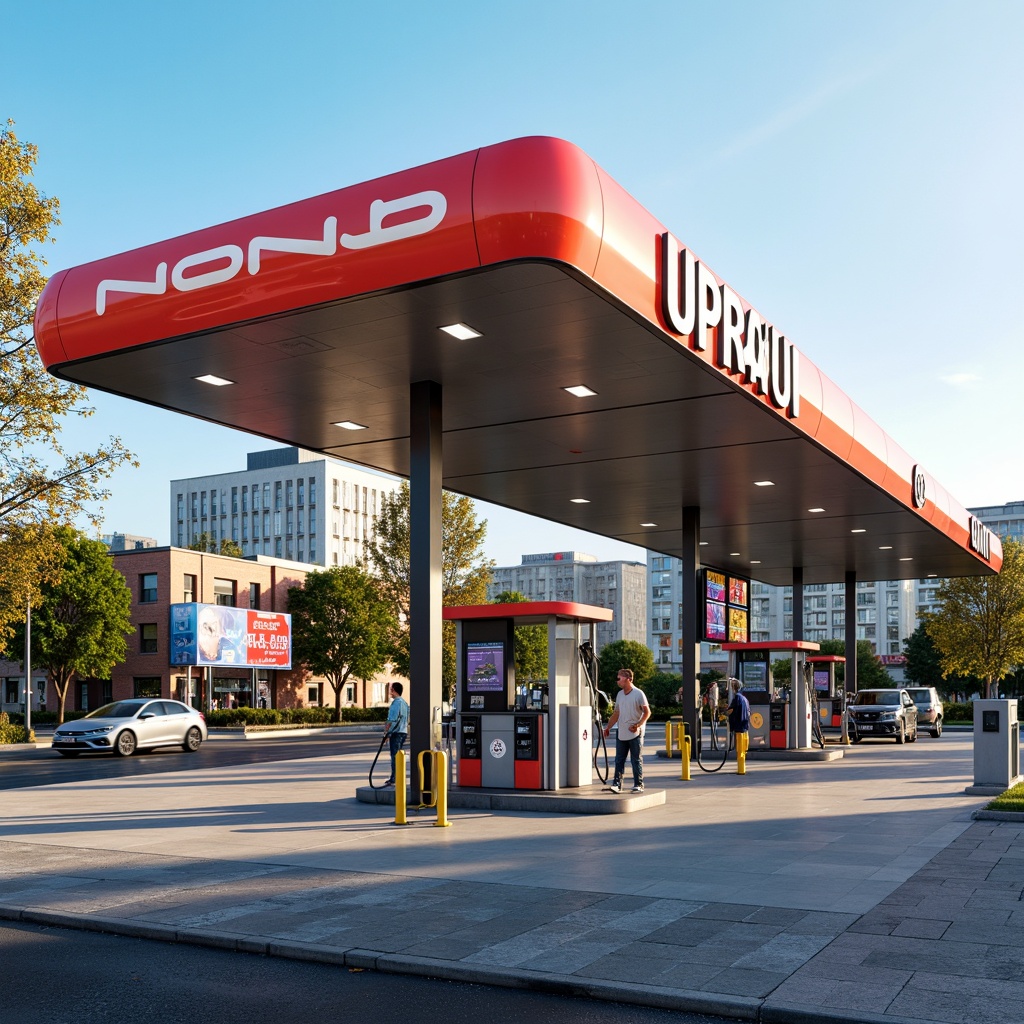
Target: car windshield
[(920, 694), (885, 697), (119, 709)]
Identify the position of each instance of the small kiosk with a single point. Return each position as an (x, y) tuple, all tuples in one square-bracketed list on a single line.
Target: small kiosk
[(780, 714), (536, 735)]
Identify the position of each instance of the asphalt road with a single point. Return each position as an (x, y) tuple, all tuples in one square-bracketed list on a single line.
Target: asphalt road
[(55, 975), (47, 768)]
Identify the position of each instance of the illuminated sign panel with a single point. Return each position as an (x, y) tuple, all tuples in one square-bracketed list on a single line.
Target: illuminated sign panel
[(724, 607), (212, 634)]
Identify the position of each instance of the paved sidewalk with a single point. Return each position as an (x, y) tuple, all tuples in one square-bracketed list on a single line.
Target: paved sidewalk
[(856, 890)]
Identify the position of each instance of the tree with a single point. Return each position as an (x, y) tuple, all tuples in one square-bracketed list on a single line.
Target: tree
[(465, 572), (40, 482), (205, 542), (531, 643), (870, 673), (625, 654), (979, 628), (82, 620), (29, 556), (340, 626)]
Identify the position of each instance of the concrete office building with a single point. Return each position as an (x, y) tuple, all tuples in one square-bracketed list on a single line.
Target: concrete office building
[(127, 542), (287, 503), (574, 576)]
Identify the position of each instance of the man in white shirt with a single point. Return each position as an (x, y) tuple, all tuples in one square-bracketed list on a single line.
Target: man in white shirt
[(631, 712)]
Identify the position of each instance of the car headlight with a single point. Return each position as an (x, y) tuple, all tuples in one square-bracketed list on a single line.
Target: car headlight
[(888, 716)]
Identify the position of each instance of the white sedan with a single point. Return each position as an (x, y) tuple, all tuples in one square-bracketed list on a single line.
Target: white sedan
[(128, 725)]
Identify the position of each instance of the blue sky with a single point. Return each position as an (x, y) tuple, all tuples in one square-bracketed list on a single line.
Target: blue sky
[(853, 169)]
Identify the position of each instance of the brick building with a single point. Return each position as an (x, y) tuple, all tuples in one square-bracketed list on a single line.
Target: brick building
[(160, 577)]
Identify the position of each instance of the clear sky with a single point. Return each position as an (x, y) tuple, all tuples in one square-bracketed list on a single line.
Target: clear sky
[(852, 168)]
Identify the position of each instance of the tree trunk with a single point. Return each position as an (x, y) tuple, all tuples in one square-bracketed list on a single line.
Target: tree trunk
[(61, 686), (337, 700), (988, 688)]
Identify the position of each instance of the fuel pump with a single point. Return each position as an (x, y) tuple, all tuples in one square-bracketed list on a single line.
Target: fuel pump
[(599, 702)]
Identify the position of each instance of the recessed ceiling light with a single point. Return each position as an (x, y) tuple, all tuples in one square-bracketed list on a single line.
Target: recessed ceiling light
[(703, 543), (755, 561), (815, 510), (764, 483), (212, 378), (885, 547), (906, 559), (349, 425), (932, 575), (734, 554), (580, 391), (648, 524), (580, 501), (862, 530), (461, 331)]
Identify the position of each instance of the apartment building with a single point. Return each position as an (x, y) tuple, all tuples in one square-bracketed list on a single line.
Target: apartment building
[(287, 503), (574, 576)]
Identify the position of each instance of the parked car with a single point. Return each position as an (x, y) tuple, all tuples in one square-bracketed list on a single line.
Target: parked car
[(929, 707), (128, 725), (886, 713)]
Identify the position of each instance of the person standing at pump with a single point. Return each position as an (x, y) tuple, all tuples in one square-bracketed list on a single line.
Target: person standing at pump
[(398, 726), (631, 712), (739, 717)]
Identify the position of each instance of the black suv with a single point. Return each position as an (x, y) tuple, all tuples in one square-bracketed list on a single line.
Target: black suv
[(885, 713)]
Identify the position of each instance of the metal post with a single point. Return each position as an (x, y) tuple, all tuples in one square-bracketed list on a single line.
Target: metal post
[(28, 668), (691, 644), (850, 683), (425, 473)]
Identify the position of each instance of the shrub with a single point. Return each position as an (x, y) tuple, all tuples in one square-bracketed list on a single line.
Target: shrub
[(10, 733)]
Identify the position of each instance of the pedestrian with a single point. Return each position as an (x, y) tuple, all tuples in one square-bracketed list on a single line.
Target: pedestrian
[(739, 717), (398, 726), (631, 712)]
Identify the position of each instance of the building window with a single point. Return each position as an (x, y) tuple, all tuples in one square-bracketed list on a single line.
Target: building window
[(224, 592), (277, 494), (254, 595), (147, 638), (312, 492), (147, 686), (288, 492), (189, 588), (301, 485), (255, 497), (313, 695), (350, 694), (147, 588)]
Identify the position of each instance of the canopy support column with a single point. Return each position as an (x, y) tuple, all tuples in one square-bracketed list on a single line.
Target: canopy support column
[(425, 472), (691, 641), (850, 685)]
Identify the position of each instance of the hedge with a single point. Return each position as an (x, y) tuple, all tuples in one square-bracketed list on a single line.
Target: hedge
[(11, 733), (291, 716)]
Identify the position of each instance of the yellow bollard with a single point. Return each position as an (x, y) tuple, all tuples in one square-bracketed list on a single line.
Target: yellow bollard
[(685, 776), (441, 773), (400, 793), (668, 739), (742, 741)]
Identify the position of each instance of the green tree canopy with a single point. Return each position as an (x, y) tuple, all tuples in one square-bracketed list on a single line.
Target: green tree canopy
[(870, 673), (29, 557), (465, 572), (531, 643), (40, 481), (82, 619), (979, 627), (340, 626), (625, 654)]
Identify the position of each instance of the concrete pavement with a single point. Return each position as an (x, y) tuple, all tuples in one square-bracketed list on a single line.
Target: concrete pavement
[(853, 890)]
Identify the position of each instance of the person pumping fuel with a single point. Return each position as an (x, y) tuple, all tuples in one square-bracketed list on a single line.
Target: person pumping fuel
[(739, 717), (398, 726)]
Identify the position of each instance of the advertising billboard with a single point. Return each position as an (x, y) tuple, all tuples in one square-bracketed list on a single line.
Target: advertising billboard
[(213, 634), (724, 603)]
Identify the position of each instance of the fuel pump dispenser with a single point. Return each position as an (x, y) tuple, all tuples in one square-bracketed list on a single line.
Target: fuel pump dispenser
[(780, 711), (830, 695), (531, 735)]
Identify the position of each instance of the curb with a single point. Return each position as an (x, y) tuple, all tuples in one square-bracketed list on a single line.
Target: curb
[(998, 815), (710, 1003)]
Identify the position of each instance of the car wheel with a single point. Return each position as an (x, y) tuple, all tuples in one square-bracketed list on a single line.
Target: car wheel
[(901, 736), (126, 744), (192, 740), (937, 728), (912, 738), (854, 737), (69, 753)]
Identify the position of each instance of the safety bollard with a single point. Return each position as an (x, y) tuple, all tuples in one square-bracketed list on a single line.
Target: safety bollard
[(685, 776), (668, 739), (400, 793), (742, 740), (441, 774)]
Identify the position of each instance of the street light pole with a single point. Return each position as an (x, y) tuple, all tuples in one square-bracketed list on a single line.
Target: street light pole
[(28, 668)]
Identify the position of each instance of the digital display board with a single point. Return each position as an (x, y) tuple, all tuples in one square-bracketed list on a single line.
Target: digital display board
[(485, 667), (213, 634), (724, 602)]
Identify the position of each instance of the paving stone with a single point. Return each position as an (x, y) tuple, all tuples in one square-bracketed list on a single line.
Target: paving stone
[(740, 981), (921, 929)]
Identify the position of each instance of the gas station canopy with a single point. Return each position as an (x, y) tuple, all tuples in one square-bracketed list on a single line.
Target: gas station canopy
[(509, 275)]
